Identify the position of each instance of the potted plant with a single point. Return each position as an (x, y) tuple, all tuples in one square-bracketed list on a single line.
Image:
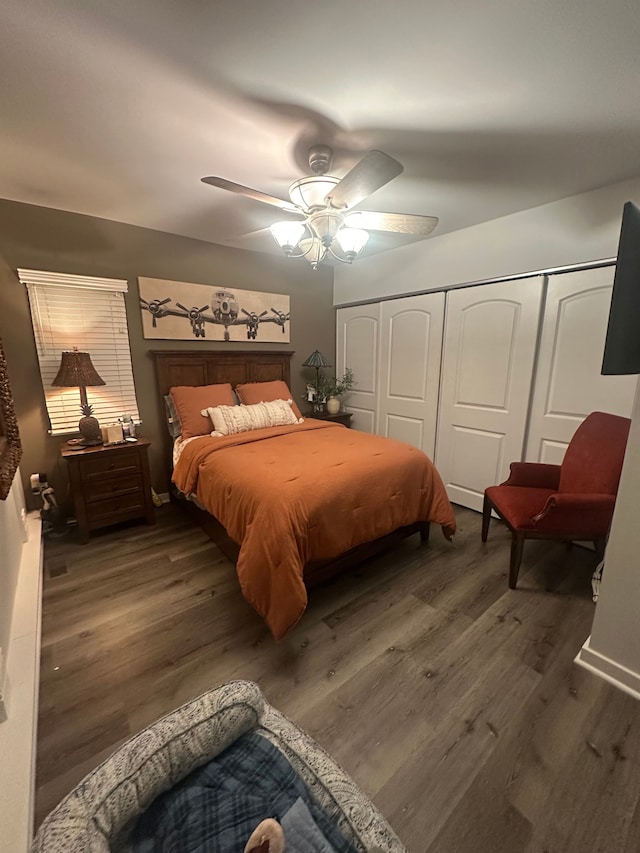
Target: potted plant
[(336, 388)]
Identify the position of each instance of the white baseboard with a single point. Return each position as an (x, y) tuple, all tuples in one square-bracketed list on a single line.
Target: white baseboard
[(18, 733), (616, 674)]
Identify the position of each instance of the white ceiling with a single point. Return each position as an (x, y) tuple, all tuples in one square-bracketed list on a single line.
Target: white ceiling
[(117, 109)]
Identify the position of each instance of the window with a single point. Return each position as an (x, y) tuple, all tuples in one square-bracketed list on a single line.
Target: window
[(89, 313)]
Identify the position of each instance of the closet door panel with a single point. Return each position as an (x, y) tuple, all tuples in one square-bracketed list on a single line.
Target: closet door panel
[(357, 348), (488, 357), (568, 380), (475, 457), (410, 347)]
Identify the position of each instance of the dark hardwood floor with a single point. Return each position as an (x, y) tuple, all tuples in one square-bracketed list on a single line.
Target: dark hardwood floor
[(452, 700)]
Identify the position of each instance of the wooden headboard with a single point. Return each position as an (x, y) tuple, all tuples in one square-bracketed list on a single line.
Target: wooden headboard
[(212, 367), (209, 367)]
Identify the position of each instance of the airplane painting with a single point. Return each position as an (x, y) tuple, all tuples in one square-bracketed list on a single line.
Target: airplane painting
[(178, 310)]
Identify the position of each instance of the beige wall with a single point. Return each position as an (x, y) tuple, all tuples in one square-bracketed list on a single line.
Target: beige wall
[(574, 230), (43, 238)]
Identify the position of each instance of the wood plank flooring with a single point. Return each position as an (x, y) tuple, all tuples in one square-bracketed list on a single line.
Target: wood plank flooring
[(452, 700)]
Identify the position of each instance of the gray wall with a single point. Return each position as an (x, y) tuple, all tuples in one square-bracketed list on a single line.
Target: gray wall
[(43, 238)]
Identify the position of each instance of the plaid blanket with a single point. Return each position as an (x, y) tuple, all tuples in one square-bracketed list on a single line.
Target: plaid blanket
[(216, 808)]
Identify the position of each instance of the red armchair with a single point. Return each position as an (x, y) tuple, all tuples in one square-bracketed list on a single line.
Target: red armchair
[(572, 501)]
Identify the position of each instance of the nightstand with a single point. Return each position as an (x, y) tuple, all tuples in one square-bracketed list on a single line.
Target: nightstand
[(109, 483), (340, 418)]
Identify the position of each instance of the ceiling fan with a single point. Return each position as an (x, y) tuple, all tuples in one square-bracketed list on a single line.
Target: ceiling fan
[(325, 223)]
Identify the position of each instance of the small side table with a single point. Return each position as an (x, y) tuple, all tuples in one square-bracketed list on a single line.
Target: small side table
[(109, 483), (340, 418)]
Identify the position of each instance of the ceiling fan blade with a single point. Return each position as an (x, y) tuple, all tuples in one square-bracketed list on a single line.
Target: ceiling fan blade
[(256, 195), (400, 223), (372, 172)]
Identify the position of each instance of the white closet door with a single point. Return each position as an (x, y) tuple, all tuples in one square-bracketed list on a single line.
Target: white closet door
[(568, 382), (488, 356), (410, 347), (357, 347)]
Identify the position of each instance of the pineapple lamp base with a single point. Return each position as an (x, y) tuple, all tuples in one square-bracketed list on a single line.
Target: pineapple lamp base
[(90, 431)]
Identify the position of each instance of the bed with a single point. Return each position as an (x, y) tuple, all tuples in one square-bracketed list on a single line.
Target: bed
[(292, 504)]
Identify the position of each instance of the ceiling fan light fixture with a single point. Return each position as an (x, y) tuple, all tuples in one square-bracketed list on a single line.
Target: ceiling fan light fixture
[(313, 250), (287, 234), (325, 224), (352, 241), (309, 193)]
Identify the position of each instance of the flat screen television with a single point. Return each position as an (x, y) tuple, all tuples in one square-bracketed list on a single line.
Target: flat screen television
[(622, 345)]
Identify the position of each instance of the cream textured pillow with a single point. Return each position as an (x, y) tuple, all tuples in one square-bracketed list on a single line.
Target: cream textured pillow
[(263, 392), (229, 420)]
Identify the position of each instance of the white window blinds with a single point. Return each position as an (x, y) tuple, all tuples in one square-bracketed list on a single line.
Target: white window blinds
[(70, 311)]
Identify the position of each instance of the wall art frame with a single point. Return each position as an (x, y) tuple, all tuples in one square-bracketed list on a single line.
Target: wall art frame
[(10, 445), (180, 310)]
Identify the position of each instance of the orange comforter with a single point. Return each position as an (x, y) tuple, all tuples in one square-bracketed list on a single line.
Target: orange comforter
[(314, 490)]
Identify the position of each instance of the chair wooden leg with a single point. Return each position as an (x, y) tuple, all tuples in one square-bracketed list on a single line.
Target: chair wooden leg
[(517, 546), (424, 533), (486, 518)]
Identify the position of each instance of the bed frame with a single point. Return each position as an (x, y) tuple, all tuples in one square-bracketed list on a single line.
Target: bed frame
[(210, 367)]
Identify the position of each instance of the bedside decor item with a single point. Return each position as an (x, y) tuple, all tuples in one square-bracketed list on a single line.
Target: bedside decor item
[(315, 393), (76, 370), (333, 405), (112, 434), (336, 388), (10, 446)]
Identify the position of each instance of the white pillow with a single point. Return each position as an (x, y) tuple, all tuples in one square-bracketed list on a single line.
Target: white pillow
[(230, 420)]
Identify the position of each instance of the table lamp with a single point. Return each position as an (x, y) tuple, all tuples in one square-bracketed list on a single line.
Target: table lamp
[(317, 360), (76, 370)]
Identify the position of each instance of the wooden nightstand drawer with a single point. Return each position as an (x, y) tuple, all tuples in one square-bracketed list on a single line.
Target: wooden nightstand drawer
[(116, 462), (115, 509), (107, 487)]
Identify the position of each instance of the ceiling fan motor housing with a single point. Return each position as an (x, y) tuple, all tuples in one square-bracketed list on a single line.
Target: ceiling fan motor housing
[(320, 157)]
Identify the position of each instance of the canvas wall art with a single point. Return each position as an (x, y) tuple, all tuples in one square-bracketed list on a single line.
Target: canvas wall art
[(177, 310)]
